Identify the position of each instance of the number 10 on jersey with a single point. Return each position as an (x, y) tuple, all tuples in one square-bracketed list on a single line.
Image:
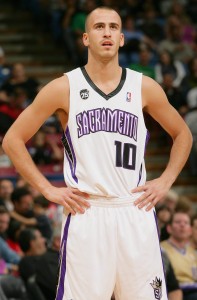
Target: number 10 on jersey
[(125, 155)]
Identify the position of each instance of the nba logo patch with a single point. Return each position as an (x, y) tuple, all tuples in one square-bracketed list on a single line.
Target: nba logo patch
[(128, 97)]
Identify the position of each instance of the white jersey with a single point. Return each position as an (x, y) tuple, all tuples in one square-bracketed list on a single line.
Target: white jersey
[(105, 137)]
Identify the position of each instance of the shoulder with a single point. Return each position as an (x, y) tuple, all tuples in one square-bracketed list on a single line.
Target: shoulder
[(59, 84), (54, 94), (148, 83), (164, 246), (152, 92)]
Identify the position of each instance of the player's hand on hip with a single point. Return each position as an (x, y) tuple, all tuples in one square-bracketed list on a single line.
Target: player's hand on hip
[(72, 199), (153, 191)]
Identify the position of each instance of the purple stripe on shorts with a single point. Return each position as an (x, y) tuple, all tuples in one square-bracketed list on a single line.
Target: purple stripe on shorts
[(62, 272), (158, 234), (72, 163)]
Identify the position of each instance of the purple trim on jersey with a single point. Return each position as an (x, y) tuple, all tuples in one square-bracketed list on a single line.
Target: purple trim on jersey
[(140, 175), (147, 140), (72, 163), (146, 143), (158, 234), (60, 289)]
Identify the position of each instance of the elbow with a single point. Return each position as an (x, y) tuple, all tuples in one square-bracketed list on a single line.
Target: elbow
[(6, 143)]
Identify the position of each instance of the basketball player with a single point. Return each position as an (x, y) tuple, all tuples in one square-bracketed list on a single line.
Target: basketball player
[(109, 236)]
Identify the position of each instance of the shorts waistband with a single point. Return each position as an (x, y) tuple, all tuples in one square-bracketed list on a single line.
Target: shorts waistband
[(113, 202)]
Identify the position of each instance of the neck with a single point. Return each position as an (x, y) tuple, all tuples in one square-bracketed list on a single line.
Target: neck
[(178, 244), (103, 69)]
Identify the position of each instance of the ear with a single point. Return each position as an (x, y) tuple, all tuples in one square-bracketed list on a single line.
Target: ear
[(85, 39), (121, 40)]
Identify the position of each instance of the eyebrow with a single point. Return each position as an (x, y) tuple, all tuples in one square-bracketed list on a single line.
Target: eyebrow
[(102, 23)]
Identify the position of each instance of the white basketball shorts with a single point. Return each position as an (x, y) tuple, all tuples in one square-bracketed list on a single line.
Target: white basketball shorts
[(112, 247)]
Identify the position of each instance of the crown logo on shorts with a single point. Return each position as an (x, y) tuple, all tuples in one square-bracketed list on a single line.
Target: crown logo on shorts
[(157, 286)]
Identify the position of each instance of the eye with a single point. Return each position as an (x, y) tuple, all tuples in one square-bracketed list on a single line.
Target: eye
[(114, 26), (99, 26)]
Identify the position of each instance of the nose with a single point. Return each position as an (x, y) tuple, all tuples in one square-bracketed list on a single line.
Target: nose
[(107, 31)]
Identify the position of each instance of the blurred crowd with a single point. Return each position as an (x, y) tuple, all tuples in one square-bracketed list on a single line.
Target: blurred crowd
[(160, 42)]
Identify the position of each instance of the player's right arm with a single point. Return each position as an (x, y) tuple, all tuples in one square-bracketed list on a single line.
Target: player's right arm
[(53, 97)]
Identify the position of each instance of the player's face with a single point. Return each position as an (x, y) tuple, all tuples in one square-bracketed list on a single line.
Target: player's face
[(103, 37)]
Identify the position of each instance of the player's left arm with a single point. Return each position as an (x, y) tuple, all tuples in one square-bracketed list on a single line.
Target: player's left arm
[(156, 104)]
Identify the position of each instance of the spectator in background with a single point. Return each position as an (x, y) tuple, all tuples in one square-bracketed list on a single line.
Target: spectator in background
[(20, 79), (167, 64), (173, 41), (5, 70), (43, 223), (163, 216), (190, 80), (9, 256), (182, 256), (150, 24), (171, 200), (68, 37), (29, 212), (11, 287), (193, 241), (133, 39), (144, 65), (175, 97), (184, 204), (6, 189), (44, 150), (33, 246), (75, 17), (56, 11), (47, 269), (4, 222), (191, 8), (174, 291), (11, 109), (188, 29), (23, 203), (13, 232)]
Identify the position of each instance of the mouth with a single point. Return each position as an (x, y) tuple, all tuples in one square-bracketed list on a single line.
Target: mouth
[(107, 44)]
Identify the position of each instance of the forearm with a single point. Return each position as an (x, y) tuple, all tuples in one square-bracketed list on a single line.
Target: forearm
[(16, 150), (178, 156), (24, 220)]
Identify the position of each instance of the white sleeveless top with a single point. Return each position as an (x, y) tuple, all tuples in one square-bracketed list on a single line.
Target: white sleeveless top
[(105, 137)]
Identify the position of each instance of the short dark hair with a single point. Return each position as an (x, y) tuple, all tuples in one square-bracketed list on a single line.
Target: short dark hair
[(41, 201), (100, 8), (25, 237), (18, 193)]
